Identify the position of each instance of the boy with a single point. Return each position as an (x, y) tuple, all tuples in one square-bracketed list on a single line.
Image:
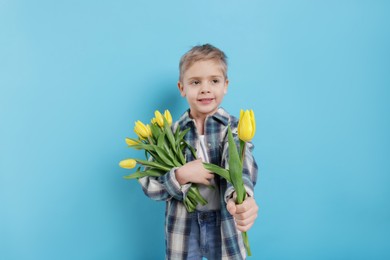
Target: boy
[(213, 230)]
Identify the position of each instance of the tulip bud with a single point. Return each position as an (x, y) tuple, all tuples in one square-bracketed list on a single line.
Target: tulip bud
[(159, 118), (131, 142), (246, 125), (168, 117), (143, 131), (253, 120), (128, 163)]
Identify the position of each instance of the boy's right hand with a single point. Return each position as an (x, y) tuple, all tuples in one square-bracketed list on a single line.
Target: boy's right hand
[(193, 172)]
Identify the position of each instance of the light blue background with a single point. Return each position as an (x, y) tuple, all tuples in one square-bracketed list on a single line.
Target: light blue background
[(75, 75)]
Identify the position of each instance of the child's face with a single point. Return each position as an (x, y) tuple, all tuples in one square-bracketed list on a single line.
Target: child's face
[(204, 86)]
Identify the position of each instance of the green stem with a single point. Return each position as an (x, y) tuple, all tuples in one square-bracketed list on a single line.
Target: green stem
[(243, 146), (246, 243)]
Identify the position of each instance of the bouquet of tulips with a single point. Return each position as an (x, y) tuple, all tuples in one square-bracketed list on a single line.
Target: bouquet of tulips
[(163, 151), (165, 148)]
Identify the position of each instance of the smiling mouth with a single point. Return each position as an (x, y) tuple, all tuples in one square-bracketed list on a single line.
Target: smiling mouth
[(205, 100)]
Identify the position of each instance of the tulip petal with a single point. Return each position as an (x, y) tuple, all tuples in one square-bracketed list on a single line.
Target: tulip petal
[(246, 127), (159, 118), (253, 123), (168, 117), (128, 163), (131, 142)]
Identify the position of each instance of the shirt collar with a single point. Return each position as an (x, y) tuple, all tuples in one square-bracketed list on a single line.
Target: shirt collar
[(221, 115)]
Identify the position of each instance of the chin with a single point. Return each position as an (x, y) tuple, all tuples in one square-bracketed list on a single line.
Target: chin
[(208, 111)]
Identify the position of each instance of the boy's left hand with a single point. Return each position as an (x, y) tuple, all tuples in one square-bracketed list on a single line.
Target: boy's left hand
[(244, 214)]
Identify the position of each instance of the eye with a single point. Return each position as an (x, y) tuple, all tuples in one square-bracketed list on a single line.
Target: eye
[(195, 82), (215, 81)]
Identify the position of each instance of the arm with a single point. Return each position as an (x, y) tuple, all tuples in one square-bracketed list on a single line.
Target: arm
[(193, 172), (245, 213), (164, 187), (176, 182)]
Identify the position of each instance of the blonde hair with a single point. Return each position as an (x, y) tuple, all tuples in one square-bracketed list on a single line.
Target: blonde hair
[(201, 53)]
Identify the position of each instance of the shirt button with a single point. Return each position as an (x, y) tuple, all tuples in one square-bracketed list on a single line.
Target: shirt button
[(209, 144)]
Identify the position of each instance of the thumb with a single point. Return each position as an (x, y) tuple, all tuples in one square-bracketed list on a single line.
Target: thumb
[(231, 207)]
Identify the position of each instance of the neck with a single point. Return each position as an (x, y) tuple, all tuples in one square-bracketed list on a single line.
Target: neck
[(199, 122)]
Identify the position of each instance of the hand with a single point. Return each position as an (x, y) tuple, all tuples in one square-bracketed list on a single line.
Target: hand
[(244, 214), (193, 172)]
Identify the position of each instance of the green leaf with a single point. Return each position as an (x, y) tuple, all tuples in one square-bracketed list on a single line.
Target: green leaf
[(146, 153), (143, 146), (195, 191), (160, 141), (164, 156), (180, 154), (154, 165), (168, 132), (181, 135), (168, 150), (156, 131), (156, 158), (140, 174), (235, 168), (191, 148), (189, 205), (218, 170), (159, 154), (177, 132)]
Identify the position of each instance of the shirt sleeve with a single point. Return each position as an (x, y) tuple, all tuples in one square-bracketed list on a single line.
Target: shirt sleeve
[(164, 187)]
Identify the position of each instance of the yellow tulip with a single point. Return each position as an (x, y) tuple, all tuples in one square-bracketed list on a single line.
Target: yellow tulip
[(128, 163), (131, 142), (246, 125), (143, 131), (168, 117), (159, 118)]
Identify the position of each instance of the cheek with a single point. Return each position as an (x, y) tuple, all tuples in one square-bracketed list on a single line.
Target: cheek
[(191, 94), (222, 93)]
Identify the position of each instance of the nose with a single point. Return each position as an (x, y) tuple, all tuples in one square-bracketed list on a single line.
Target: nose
[(205, 88)]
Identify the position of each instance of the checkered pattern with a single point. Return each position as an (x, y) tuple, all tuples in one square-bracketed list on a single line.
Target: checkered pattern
[(166, 188)]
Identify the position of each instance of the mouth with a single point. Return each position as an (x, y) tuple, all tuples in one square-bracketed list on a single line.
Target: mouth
[(205, 100)]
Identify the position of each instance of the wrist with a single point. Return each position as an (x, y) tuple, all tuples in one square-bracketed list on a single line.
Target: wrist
[(179, 176)]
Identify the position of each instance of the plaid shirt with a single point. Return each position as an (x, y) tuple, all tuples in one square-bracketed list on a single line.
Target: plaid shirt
[(166, 187)]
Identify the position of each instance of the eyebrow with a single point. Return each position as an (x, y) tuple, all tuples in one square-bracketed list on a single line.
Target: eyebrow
[(212, 76)]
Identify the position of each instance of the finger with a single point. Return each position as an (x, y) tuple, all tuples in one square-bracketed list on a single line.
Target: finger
[(231, 207), (242, 208), (241, 214), (249, 204), (245, 227), (208, 171), (209, 176), (206, 182), (245, 221)]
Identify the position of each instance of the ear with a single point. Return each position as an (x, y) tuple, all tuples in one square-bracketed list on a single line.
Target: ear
[(181, 89), (226, 86)]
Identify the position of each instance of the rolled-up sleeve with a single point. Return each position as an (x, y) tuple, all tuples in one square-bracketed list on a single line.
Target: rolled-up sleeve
[(164, 187)]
